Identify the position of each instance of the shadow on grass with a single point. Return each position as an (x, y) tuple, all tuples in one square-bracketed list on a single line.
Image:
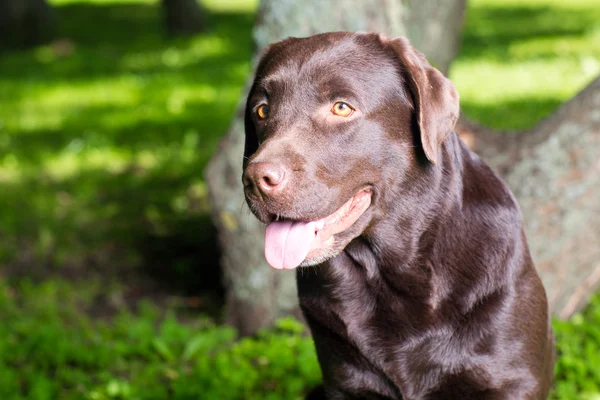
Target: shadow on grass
[(118, 86), (104, 34), (492, 29), (521, 112), (96, 127)]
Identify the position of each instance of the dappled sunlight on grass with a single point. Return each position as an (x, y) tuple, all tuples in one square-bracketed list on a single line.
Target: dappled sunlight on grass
[(104, 136), (517, 96), (232, 5), (520, 60), (175, 58)]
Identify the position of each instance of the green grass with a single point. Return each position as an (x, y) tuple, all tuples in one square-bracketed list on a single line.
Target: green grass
[(521, 59), (148, 355), (50, 348), (103, 141), (103, 209)]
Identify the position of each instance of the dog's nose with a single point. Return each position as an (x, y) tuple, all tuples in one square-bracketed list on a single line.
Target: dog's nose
[(268, 178)]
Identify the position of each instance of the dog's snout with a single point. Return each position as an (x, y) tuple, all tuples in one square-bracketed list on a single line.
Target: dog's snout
[(265, 178)]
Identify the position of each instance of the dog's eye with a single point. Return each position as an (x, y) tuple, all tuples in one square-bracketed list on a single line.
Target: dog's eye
[(263, 111), (342, 109)]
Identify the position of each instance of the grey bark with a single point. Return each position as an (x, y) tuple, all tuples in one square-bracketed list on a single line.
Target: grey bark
[(256, 294), (554, 171), (183, 17), (25, 23)]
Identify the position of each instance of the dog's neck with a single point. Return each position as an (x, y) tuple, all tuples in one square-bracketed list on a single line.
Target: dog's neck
[(414, 232), (418, 204), (402, 252), (417, 257)]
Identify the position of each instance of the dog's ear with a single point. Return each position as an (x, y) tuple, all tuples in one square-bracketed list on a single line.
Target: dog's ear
[(435, 97)]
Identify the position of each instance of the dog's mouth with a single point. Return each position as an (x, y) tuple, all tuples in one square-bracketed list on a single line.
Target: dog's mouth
[(288, 243)]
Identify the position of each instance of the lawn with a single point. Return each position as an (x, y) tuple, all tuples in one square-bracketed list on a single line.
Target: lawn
[(520, 59), (104, 213)]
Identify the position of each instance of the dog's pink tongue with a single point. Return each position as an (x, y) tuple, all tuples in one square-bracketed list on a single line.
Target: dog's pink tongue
[(287, 243)]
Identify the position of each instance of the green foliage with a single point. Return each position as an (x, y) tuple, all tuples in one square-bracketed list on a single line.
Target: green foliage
[(578, 344), (51, 349)]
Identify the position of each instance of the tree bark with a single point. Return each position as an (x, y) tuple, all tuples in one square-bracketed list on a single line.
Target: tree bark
[(183, 17), (256, 294), (554, 171), (25, 23)]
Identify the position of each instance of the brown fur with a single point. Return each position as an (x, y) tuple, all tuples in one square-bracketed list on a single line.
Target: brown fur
[(433, 293)]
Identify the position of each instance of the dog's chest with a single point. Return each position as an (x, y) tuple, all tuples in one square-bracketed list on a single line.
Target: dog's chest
[(396, 358), (377, 332)]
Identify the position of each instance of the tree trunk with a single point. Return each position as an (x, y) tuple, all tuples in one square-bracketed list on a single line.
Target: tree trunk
[(25, 23), (435, 28), (183, 17), (554, 171), (257, 294)]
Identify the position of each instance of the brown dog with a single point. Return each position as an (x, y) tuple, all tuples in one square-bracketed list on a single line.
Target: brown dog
[(424, 286)]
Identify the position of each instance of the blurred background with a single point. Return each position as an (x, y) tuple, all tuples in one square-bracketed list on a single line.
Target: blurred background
[(125, 274)]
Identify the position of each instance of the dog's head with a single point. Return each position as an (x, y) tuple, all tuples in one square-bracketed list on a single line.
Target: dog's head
[(333, 123)]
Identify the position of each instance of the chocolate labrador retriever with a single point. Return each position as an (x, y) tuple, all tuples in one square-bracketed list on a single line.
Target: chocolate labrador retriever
[(422, 286)]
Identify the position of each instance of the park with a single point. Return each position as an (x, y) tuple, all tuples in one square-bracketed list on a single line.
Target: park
[(130, 265)]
